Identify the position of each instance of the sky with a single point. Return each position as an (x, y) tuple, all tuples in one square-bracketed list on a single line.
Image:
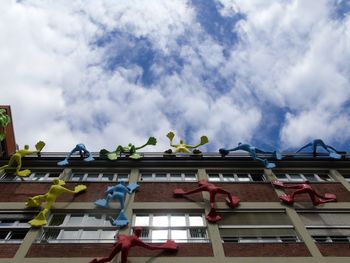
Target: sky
[(275, 74)]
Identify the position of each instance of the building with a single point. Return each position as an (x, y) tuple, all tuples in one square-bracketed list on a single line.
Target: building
[(260, 229)]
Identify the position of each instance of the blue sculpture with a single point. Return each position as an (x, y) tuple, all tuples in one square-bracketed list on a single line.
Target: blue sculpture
[(333, 153), (253, 151), (118, 192), (84, 153)]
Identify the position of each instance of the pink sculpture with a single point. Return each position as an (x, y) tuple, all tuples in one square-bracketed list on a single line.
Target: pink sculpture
[(125, 242), (304, 188), (204, 185)]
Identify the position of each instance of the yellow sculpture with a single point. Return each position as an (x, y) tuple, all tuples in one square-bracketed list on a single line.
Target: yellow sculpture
[(50, 197), (184, 148), (16, 158)]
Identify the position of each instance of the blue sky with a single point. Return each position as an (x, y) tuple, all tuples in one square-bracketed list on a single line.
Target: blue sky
[(271, 73)]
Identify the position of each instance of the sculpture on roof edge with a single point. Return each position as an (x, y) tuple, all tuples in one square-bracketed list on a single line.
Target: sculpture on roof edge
[(304, 188), (231, 200), (4, 121), (253, 151), (118, 192), (84, 153), (129, 150), (49, 198), (185, 148), (333, 153), (16, 159), (125, 242)]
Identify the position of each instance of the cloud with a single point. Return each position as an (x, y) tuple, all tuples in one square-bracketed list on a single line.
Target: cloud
[(107, 73)]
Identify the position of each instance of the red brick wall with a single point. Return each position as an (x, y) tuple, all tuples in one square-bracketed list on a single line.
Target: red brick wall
[(249, 192), (265, 250), (343, 195), (20, 192), (163, 192), (102, 250), (8, 250), (334, 250)]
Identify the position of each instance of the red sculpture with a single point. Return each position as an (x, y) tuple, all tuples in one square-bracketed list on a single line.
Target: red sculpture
[(125, 242), (204, 185), (304, 188)]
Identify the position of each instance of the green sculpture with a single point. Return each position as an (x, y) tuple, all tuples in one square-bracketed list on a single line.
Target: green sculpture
[(4, 121), (50, 197), (16, 159), (129, 150), (184, 148)]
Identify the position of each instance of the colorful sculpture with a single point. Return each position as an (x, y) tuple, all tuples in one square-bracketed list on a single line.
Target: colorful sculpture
[(129, 150), (118, 192), (16, 159), (125, 242), (4, 121), (333, 153), (185, 148), (304, 188), (204, 185), (50, 197), (253, 153), (84, 153)]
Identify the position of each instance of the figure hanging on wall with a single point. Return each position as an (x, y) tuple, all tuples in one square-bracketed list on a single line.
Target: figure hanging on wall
[(333, 153), (84, 153), (118, 192), (231, 200), (125, 242), (16, 159), (49, 198), (129, 150), (185, 148), (304, 188), (4, 121), (253, 153)]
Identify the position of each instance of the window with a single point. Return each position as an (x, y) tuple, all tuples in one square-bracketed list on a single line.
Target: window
[(301, 176), (175, 176), (257, 176), (77, 176), (35, 176), (79, 228), (182, 228), (256, 227), (328, 226), (14, 227)]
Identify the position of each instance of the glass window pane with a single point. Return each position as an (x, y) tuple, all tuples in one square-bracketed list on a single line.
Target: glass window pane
[(281, 177), (50, 234), (38, 176), (123, 177), (77, 177), (160, 221), (311, 177), (90, 235), (325, 177), (228, 177), (243, 177), (92, 177), (175, 177), (93, 220), (3, 234), (190, 177), (146, 177), (69, 235), (179, 235), (196, 221), (107, 177), (159, 235), (214, 177), (18, 234), (142, 221), (178, 220), (7, 222), (160, 176), (108, 234), (296, 177), (75, 220), (257, 177), (198, 233), (57, 219)]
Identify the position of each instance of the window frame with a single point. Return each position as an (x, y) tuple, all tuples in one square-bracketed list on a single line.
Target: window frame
[(17, 226), (236, 178), (187, 227), (303, 178), (100, 176), (168, 176)]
